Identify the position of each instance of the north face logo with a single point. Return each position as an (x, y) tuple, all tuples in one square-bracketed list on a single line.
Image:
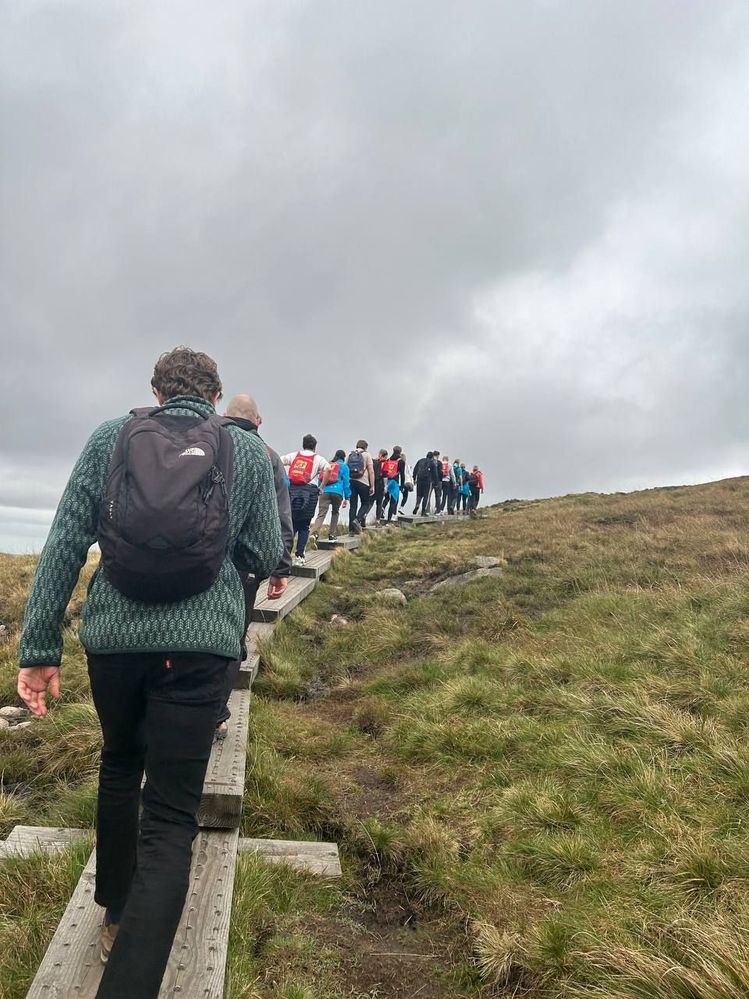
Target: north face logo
[(193, 450)]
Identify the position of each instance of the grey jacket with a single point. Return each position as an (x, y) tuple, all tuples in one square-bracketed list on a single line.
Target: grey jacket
[(282, 498)]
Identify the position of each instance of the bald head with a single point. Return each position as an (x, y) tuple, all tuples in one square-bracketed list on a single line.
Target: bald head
[(243, 407)]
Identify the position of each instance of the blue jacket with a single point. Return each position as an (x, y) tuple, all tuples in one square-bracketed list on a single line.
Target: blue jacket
[(343, 486)]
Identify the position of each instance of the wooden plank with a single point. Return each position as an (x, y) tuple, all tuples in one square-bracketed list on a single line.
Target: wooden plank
[(197, 965), (316, 565), (258, 632), (247, 672), (348, 541), (223, 790), (318, 858), (25, 840), (273, 610), (408, 520)]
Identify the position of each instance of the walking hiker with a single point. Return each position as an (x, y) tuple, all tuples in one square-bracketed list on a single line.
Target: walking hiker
[(394, 477), (305, 468), (458, 474), (179, 501), (465, 490), (408, 482), (336, 490), (423, 478), (379, 495), (243, 412), (448, 486), (474, 484), (362, 476), (436, 481)]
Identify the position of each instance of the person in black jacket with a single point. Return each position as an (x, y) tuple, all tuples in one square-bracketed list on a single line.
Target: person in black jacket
[(243, 411), (436, 482), (423, 480)]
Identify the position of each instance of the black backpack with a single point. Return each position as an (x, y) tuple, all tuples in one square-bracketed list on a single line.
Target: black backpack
[(356, 463), (164, 517)]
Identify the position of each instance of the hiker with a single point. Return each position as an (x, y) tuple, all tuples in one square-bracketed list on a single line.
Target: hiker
[(362, 476), (305, 468), (393, 477), (179, 502), (458, 474), (408, 482), (448, 486), (379, 495), (475, 480), (436, 481), (336, 491), (423, 479), (243, 412), (466, 489)]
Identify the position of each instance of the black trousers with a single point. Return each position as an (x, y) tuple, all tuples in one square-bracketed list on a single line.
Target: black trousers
[(473, 499), (437, 496), (423, 488), (360, 503), (448, 497), (379, 498), (405, 493), (250, 586), (157, 713)]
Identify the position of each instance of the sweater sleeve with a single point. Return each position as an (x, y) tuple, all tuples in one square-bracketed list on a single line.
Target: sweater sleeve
[(284, 515), (258, 547), (72, 533)]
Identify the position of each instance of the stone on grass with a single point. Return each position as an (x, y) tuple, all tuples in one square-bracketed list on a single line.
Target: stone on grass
[(24, 724), (4, 724), (392, 595), (338, 621), (486, 561), (466, 577), (4, 634), (13, 714)]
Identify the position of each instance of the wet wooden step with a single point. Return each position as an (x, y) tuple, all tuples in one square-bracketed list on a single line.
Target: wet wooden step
[(348, 541), (223, 789), (197, 965), (26, 840), (316, 565), (273, 610), (318, 858), (247, 672)]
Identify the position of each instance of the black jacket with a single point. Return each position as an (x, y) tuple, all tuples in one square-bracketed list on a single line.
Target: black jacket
[(282, 498)]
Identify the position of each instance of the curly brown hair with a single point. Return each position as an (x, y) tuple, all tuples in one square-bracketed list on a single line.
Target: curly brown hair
[(186, 372)]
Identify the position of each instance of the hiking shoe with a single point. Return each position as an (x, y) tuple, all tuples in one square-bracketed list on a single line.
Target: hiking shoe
[(108, 936), (300, 560), (332, 537), (222, 730), (356, 527)]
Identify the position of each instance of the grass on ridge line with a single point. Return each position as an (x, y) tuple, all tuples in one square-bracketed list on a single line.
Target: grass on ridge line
[(552, 765)]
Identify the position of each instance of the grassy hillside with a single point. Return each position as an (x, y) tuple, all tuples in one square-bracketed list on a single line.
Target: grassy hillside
[(539, 780)]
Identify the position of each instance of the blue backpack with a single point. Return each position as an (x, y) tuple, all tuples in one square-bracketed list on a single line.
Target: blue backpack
[(356, 463)]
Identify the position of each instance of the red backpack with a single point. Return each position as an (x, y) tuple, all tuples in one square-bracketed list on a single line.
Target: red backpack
[(445, 469), (334, 471), (390, 468), (300, 472)]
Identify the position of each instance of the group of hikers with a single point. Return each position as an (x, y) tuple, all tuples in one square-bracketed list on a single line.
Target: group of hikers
[(191, 511), (363, 483)]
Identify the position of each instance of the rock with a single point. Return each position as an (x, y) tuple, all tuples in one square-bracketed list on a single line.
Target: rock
[(4, 724), (13, 714), (25, 724), (486, 561), (465, 577), (392, 595), (338, 622), (4, 634)]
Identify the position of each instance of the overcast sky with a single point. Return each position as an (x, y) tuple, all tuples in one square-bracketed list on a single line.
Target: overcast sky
[(514, 231)]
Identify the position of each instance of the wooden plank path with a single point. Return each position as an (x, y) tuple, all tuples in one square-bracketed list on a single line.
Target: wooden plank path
[(71, 968), (315, 566), (409, 520), (273, 610)]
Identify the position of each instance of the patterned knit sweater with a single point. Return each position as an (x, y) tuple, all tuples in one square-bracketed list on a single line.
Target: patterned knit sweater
[(209, 622)]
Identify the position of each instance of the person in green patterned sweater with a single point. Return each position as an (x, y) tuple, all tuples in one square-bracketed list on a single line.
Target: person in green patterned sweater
[(157, 674)]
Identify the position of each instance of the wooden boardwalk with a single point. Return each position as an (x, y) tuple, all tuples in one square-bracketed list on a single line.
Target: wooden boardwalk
[(71, 968)]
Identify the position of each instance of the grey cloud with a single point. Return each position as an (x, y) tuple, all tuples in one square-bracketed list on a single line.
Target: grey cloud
[(383, 219)]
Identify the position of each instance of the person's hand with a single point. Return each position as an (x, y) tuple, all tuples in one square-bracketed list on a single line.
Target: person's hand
[(371, 491), (33, 684), (276, 586), (344, 504)]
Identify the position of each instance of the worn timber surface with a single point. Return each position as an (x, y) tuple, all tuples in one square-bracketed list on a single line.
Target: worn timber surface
[(316, 565), (318, 858), (71, 968), (409, 520), (273, 610), (25, 840), (221, 804), (347, 541), (247, 672)]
